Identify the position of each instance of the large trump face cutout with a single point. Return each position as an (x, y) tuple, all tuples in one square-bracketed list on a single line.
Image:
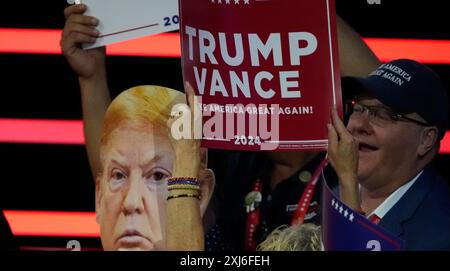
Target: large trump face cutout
[(137, 158)]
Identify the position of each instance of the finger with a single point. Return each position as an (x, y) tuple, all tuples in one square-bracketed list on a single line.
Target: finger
[(206, 176), (189, 94), (195, 110), (88, 30), (79, 23), (203, 157), (332, 140), (77, 38), (71, 42), (82, 19), (192, 99), (74, 9), (338, 124)]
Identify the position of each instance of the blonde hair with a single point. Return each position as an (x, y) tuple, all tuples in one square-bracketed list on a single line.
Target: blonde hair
[(139, 106), (303, 237)]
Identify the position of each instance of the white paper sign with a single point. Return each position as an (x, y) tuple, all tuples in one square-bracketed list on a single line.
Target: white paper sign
[(122, 20)]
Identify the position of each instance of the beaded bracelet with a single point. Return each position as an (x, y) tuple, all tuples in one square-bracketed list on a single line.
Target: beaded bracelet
[(182, 178), (183, 181), (192, 182), (184, 196), (184, 187)]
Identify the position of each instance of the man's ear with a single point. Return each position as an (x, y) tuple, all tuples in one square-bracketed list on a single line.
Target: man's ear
[(207, 181), (428, 140), (98, 198)]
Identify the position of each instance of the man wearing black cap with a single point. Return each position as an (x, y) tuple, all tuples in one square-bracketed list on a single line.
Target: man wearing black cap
[(399, 116)]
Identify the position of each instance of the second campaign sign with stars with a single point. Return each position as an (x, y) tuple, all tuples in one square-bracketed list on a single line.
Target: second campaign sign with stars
[(267, 71), (345, 229)]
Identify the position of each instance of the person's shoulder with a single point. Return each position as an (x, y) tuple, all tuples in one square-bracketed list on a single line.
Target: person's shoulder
[(436, 204), (427, 200), (440, 189), (428, 227)]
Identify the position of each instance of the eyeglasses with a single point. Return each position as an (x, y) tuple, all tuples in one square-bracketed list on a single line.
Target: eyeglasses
[(380, 115)]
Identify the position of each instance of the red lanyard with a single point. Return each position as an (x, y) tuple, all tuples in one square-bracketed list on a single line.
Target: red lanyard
[(308, 193), (253, 211), (253, 215)]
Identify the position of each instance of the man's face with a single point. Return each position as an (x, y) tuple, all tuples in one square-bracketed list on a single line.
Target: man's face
[(387, 149), (131, 199)]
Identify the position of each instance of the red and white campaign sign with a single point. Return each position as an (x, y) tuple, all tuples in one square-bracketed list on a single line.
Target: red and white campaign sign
[(267, 71)]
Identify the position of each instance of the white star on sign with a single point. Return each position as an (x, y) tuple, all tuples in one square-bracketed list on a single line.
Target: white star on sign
[(219, 1), (212, 1), (332, 202), (336, 206), (227, 2), (247, 2), (236, 2), (341, 209), (351, 217), (345, 213)]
